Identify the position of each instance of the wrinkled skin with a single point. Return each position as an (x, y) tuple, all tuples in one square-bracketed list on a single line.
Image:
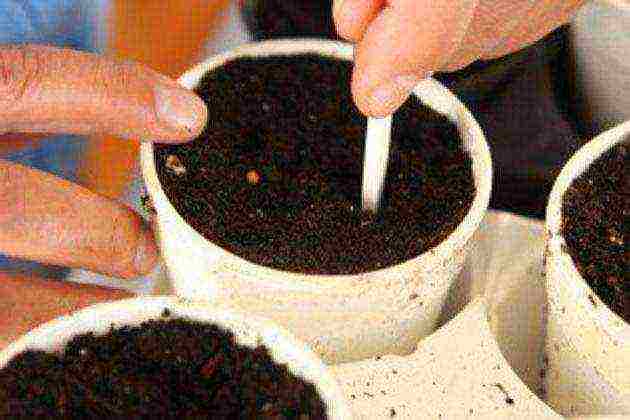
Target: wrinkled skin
[(51, 90), (45, 90)]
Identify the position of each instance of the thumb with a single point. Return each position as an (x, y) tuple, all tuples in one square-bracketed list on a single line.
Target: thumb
[(51, 90), (408, 40)]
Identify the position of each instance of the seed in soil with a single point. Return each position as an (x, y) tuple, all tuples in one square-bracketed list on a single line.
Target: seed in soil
[(253, 177), (174, 164)]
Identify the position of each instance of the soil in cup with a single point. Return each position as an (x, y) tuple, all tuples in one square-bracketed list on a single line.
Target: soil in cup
[(275, 178), (596, 210), (163, 369)]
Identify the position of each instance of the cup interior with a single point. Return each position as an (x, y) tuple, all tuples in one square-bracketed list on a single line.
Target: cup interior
[(430, 92)]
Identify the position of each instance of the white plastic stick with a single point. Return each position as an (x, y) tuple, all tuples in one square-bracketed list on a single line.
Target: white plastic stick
[(375, 161)]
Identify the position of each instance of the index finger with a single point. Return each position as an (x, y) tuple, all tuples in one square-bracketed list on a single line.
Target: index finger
[(408, 40), (52, 90)]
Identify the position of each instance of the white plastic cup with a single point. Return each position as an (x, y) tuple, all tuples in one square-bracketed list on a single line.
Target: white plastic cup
[(600, 37), (248, 331), (588, 345), (342, 317)]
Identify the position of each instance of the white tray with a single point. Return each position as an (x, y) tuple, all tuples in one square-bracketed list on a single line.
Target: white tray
[(506, 267)]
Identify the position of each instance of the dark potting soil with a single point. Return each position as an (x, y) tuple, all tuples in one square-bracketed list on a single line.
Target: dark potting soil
[(163, 369), (276, 176), (596, 210)]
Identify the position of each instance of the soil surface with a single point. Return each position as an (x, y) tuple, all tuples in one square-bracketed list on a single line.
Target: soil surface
[(163, 369), (596, 216), (276, 176)]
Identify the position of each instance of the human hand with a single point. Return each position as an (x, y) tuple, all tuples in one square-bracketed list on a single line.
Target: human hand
[(50, 90), (27, 302), (400, 41)]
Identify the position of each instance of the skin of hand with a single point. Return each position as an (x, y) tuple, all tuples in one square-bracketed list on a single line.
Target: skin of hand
[(399, 42), (47, 90), (26, 303)]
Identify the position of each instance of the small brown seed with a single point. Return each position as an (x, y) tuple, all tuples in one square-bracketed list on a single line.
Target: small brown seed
[(253, 177), (614, 237), (175, 165)]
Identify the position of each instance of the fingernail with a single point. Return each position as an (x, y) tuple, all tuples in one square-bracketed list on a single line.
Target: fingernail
[(146, 252), (389, 96), (180, 110), (337, 6)]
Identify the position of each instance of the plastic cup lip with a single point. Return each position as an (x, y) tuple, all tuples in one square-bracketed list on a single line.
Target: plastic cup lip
[(607, 321), (447, 104), (248, 330)]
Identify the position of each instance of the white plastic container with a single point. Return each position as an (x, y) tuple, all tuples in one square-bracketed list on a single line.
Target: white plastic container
[(343, 317), (248, 331), (588, 345), (600, 37), (458, 372)]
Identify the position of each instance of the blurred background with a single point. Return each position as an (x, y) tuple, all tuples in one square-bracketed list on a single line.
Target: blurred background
[(536, 106)]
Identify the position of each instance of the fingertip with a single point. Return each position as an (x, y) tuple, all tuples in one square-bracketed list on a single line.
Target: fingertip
[(200, 111), (379, 103), (181, 114), (401, 46), (383, 97), (461, 59)]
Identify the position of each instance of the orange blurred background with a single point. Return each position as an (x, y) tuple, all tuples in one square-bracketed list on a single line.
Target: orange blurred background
[(168, 36)]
